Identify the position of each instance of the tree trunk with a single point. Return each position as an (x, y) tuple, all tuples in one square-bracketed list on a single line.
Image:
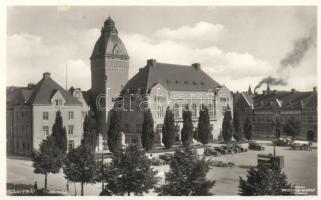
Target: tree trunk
[(82, 189), (75, 189), (45, 181), (128, 193)]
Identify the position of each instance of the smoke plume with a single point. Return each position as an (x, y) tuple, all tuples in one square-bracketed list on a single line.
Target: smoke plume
[(271, 81), (300, 47), (292, 59)]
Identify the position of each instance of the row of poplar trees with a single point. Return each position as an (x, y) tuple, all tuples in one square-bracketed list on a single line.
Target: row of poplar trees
[(129, 171), (148, 136), (232, 127)]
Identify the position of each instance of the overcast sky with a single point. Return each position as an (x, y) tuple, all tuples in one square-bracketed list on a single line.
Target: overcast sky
[(236, 46)]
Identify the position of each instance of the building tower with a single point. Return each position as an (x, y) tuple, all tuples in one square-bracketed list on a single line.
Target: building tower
[(109, 72)]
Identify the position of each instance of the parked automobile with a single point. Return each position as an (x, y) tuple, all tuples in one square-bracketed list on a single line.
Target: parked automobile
[(167, 157), (211, 152), (282, 142), (299, 146), (255, 146)]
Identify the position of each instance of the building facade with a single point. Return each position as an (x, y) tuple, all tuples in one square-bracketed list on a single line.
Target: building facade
[(109, 73), (160, 85), (31, 113), (265, 108)]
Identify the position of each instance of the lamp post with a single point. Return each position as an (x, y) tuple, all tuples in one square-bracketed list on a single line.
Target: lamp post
[(275, 126)]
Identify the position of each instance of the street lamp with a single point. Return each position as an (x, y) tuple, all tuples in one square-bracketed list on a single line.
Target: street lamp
[(276, 129)]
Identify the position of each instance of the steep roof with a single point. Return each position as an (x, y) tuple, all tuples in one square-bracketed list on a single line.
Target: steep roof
[(287, 100), (45, 88), (18, 95), (109, 44), (172, 77)]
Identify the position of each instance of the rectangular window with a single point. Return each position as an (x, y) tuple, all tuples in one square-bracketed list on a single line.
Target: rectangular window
[(138, 128), (70, 129), (45, 115), (70, 115), (58, 102), (45, 130), (71, 145), (160, 112), (223, 99)]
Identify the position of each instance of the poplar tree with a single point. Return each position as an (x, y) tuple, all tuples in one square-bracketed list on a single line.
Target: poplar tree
[(148, 133), (168, 129), (248, 128), (114, 132), (237, 126), (227, 126), (187, 130), (59, 133), (203, 127), (90, 132)]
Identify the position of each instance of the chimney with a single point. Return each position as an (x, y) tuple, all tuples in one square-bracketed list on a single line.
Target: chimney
[(151, 62), (314, 89), (292, 90), (46, 75), (196, 66), (31, 85)]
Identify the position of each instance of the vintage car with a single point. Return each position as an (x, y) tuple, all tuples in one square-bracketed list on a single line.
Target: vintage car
[(167, 157), (255, 146)]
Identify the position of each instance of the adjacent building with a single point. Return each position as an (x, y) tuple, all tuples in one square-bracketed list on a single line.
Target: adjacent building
[(31, 113), (161, 85), (282, 105)]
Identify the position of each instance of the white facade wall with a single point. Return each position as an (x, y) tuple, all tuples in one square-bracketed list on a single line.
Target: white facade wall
[(39, 122)]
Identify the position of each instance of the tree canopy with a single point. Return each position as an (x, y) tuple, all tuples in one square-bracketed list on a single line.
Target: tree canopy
[(130, 172), (248, 128), (48, 159), (187, 175), (187, 130), (90, 132), (227, 126), (80, 166), (168, 129), (265, 181), (59, 132), (114, 132), (292, 127), (148, 133), (203, 127)]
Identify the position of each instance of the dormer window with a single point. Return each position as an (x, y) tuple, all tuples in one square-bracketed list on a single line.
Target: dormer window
[(58, 102)]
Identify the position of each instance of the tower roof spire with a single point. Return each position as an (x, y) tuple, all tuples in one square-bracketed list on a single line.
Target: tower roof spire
[(249, 91)]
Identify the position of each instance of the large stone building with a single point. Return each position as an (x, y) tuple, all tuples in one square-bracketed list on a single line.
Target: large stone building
[(159, 85), (31, 110), (31, 113), (271, 105)]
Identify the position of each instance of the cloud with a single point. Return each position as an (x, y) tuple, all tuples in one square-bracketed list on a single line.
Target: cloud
[(201, 32), (172, 49), (28, 56)]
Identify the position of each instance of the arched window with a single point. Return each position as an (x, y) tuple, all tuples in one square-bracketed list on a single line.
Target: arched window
[(176, 110), (194, 110)]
